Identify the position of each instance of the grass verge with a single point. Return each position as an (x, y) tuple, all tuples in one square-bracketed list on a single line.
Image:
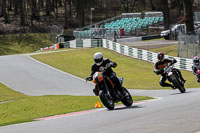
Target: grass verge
[(7, 94), (168, 50), (22, 108), (23, 43), (137, 74)]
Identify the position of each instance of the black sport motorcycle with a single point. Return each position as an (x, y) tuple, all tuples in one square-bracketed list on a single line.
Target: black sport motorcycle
[(174, 77), (108, 92)]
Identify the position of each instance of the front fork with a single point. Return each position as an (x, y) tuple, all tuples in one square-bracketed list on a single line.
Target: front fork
[(107, 90)]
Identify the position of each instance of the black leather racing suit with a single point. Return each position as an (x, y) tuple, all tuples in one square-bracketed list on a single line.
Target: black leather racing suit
[(109, 72), (195, 68), (158, 69)]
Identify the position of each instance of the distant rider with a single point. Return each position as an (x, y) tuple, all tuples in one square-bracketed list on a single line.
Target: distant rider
[(158, 69), (196, 67), (99, 64)]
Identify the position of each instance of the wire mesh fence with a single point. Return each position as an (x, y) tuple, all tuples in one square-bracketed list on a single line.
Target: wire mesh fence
[(128, 24), (54, 31), (107, 33), (188, 46)]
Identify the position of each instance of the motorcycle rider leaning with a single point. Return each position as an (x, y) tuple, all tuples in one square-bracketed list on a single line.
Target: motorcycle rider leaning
[(158, 69), (195, 67), (99, 64)]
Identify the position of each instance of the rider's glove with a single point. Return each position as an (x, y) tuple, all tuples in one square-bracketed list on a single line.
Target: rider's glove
[(157, 72), (174, 61), (113, 64), (161, 71), (88, 78), (108, 65)]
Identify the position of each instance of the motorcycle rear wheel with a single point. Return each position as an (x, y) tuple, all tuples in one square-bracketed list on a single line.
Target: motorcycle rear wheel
[(107, 102)]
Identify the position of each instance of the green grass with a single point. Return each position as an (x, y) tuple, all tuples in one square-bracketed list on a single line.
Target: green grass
[(30, 108), (23, 43), (137, 74), (154, 39), (27, 109), (7, 94), (17, 108), (22, 108), (169, 50)]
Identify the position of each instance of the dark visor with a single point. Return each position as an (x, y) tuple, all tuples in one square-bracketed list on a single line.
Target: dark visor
[(97, 60)]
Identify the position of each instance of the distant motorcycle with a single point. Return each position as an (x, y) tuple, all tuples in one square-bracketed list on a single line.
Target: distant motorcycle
[(108, 92), (198, 75), (174, 77)]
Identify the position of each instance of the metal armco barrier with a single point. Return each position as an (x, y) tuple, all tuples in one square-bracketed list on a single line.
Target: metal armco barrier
[(182, 63), (86, 43)]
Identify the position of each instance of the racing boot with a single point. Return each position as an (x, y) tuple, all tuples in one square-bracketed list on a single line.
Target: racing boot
[(173, 87), (197, 78), (96, 91), (183, 80), (181, 77)]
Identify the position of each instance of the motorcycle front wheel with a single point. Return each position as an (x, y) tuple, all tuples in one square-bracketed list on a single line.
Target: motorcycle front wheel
[(106, 100), (180, 86), (127, 100)]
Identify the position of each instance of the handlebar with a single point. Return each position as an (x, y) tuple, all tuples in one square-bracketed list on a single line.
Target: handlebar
[(172, 63), (108, 65)]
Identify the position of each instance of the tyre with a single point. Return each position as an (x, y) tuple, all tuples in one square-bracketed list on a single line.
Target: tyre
[(166, 37), (107, 102), (182, 90), (179, 85), (127, 100)]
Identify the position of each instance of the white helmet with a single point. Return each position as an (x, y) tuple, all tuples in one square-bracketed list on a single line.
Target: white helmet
[(98, 58)]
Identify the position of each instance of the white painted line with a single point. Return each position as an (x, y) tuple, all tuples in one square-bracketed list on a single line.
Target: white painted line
[(7, 101), (48, 52), (57, 69)]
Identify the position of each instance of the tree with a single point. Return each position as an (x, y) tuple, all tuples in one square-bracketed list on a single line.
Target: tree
[(48, 3), (142, 5), (56, 6), (66, 14), (16, 7), (22, 14), (166, 14), (41, 3), (33, 9), (4, 11), (80, 11), (10, 5), (189, 22), (152, 5)]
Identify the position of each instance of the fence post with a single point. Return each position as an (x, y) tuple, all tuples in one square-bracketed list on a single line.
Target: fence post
[(179, 44), (199, 40)]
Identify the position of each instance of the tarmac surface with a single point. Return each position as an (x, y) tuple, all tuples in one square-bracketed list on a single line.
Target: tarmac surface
[(171, 112), (151, 44)]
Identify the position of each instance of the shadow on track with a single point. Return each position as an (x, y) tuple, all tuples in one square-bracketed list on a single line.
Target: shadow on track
[(131, 107), (182, 93)]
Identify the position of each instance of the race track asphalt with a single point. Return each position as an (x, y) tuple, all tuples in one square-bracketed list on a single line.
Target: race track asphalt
[(28, 76), (172, 112)]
